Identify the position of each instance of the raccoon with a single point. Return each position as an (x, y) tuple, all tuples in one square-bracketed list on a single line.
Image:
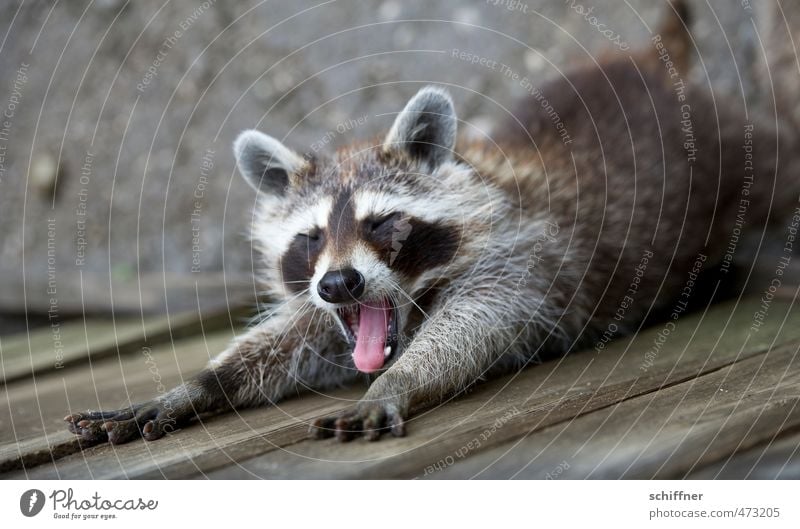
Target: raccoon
[(427, 263)]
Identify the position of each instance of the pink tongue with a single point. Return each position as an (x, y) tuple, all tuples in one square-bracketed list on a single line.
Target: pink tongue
[(373, 321)]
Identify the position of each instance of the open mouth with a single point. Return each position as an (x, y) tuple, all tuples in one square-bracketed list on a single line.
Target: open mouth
[(371, 326)]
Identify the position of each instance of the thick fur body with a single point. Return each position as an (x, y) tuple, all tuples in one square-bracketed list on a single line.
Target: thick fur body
[(493, 252)]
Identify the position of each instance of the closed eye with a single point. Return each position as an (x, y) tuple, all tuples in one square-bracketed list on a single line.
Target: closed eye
[(376, 223), (313, 235)]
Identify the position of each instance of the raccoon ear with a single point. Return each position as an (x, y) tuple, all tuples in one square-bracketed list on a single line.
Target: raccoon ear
[(265, 162), (426, 128)]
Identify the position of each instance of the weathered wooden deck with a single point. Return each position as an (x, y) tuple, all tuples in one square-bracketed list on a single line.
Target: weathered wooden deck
[(719, 400)]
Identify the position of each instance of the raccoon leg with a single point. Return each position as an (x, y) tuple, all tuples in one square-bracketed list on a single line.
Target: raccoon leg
[(280, 356), (454, 348)]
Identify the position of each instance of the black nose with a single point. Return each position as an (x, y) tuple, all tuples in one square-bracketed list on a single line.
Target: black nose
[(341, 286)]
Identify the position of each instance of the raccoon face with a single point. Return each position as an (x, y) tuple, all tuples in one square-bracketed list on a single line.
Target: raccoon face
[(362, 233)]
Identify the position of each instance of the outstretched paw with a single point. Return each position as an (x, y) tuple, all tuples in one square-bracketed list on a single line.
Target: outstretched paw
[(150, 421), (370, 419)]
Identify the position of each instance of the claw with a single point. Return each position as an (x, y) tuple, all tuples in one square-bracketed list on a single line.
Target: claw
[(398, 426), (323, 427), (347, 427), (120, 426), (371, 421)]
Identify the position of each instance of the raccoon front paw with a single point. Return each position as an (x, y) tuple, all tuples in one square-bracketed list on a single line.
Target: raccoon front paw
[(150, 421), (370, 419)]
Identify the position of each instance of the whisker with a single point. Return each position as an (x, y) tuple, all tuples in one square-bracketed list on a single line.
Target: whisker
[(273, 308), (408, 297)]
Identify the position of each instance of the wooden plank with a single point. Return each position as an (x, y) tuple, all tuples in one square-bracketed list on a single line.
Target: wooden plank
[(665, 434), (32, 410), (537, 397), (211, 443), (20, 354), (113, 382), (544, 395), (81, 294), (776, 459), (43, 350)]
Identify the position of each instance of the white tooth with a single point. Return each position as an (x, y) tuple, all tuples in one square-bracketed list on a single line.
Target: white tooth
[(387, 351)]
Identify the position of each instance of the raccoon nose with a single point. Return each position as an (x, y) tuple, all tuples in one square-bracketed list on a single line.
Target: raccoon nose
[(341, 286)]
